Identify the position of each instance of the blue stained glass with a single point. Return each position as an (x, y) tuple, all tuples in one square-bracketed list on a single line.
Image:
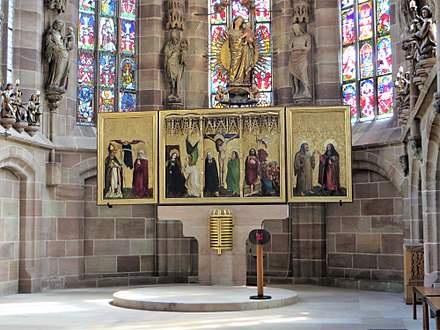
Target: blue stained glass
[(85, 107), (107, 70), (262, 34), (346, 3), (350, 98), (348, 26), (86, 36), (265, 99), (366, 60), (128, 102), (385, 94), (128, 35)]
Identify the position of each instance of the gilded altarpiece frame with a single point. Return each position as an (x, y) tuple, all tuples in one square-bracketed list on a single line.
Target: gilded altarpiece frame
[(127, 158), (319, 154), (225, 156)]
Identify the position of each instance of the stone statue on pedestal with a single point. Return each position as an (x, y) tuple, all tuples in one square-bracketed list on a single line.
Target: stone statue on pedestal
[(57, 51), (175, 57), (299, 62)]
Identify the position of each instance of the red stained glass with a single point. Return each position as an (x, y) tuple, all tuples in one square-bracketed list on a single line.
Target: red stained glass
[(239, 10), (86, 69), (348, 26), (385, 95), (217, 18), (262, 10), (365, 17), (218, 78), (86, 35), (128, 9), (383, 17), (348, 63), (367, 98), (218, 34)]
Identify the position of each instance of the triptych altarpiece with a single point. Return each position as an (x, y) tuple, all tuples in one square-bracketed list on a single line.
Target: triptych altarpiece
[(204, 156)]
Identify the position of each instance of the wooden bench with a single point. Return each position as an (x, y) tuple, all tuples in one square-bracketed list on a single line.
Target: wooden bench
[(433, 304), (422, 292)]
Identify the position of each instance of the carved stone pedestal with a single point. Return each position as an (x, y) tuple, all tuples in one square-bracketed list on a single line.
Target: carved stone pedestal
[(31, 129), (20, 126), (229, 268), (7, 122)]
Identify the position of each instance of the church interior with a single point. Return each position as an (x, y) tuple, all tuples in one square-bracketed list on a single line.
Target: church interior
[(78, 222)]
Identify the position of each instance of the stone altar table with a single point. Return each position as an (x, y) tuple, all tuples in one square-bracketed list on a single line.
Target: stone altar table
[(229, 268)]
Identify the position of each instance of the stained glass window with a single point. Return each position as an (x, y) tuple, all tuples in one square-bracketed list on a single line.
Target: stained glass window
[(366, 72), (221, 18), (106, 57), (9, 39)]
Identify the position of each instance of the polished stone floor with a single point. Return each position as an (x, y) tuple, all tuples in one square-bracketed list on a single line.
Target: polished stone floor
[(319, 308)]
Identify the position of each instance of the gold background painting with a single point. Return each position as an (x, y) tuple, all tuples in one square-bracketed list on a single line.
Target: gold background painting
[(246, 139), (318, 127), (141, 130)]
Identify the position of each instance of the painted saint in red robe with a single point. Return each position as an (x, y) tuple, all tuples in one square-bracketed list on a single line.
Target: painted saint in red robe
[(140, 176), (329, 169)]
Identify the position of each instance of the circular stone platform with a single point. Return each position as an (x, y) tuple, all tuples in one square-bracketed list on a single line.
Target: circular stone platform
[(198, 298)]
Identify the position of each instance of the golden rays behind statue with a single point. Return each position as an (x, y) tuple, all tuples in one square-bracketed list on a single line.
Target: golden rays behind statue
[(239, 53)]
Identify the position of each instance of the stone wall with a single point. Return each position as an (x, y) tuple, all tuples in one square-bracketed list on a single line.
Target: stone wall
[(365, 238), (9, 231)]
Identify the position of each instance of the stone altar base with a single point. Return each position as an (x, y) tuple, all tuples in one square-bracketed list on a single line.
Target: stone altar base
[(197, 298), (229, 268)]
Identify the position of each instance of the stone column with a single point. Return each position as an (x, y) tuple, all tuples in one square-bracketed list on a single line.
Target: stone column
[(281, 36), (326, 54), (437, 94), (152, 87)]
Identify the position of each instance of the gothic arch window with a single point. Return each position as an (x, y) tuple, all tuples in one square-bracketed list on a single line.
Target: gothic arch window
[(220, 20), (106, 58), (367, 84)]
